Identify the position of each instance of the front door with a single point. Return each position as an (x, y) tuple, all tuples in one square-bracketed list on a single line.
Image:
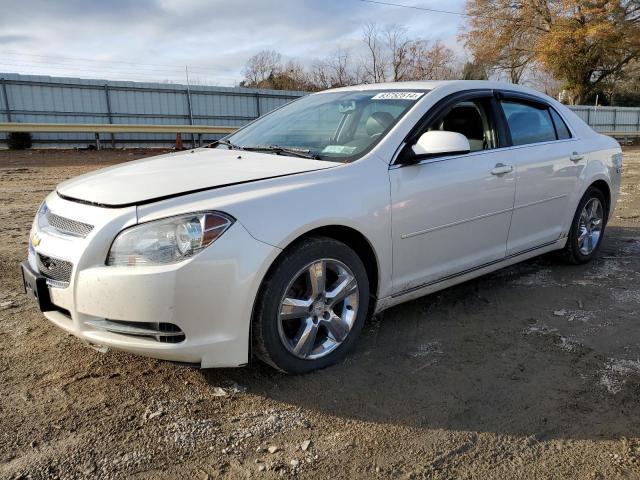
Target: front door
[(452, 214)]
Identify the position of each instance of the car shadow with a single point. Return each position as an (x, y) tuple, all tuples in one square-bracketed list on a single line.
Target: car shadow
[(500, 354)]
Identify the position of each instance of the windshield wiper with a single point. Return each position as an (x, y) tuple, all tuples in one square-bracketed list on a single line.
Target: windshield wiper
[(232, 146), (277, 149)]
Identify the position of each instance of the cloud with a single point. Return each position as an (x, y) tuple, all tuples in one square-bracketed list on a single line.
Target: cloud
[(155, 39), (7, 39)]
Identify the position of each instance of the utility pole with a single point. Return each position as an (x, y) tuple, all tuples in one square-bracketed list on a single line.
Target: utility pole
[(193, 138)]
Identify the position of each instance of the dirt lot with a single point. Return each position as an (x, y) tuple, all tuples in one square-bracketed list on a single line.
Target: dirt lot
[(531, 372)]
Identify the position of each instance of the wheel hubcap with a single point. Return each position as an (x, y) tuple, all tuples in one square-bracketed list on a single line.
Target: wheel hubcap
[(590, 226), (318, 309)]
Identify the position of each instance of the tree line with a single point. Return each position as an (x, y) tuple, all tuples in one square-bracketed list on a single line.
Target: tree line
[(388, 54), (574, 49)]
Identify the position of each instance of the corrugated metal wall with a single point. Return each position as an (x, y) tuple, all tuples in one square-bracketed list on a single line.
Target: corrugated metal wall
[(610, 119), (31, 98)]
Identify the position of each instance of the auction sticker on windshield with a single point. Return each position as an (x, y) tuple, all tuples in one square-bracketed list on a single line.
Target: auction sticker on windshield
[(397, 96), (339, 149)]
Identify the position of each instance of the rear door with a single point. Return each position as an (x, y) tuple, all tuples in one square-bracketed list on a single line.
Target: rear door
[(451, 214), (548, 164)]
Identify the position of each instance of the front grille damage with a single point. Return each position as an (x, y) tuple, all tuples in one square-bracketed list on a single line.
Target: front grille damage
[(160, 332), (57, 271)]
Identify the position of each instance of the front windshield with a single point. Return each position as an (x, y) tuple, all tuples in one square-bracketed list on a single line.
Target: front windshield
[(337, 126)]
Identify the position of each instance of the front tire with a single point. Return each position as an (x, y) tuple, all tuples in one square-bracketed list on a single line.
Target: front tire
[(311, 306), (587, 228)]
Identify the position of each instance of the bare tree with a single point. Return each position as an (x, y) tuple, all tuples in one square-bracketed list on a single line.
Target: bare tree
[(390, 53), (341, 74), (399, 46), (393, 55), (320, 76), (542, 81), (375, 63), (261, 66), (333, 71), (359, 74), (267, 70)]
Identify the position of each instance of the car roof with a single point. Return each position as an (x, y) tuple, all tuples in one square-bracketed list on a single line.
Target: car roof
[(447, 87), (452, 86), (437, 84)]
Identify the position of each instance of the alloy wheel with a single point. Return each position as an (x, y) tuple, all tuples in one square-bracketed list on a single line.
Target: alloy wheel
[(590, 226), (318, 309)]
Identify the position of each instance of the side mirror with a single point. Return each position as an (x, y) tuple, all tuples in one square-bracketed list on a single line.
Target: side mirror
[(437, 142)]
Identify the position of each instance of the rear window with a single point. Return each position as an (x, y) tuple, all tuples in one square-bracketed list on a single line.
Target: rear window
[(528, 123), (561, 128)]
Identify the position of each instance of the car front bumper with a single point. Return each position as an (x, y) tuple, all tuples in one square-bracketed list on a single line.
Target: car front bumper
[(208, 297)]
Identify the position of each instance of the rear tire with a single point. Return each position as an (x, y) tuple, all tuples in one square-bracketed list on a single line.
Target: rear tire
[(311, 306), (587, 228)]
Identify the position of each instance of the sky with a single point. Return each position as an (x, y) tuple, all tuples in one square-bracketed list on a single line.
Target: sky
[(153, 40)]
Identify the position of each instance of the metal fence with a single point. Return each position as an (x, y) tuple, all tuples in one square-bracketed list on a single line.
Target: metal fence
[(618, 120), (43, 99)]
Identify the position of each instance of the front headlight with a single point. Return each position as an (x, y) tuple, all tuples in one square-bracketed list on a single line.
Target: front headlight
[(41, 216), (39, 222), (168, 240)]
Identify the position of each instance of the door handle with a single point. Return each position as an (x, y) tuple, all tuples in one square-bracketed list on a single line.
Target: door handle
[(501, 169), (576, 157)]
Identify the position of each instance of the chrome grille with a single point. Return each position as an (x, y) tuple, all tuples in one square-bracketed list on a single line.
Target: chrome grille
[(68, 226), (58, 272)]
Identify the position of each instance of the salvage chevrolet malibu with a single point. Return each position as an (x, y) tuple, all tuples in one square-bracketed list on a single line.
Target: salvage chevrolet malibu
[(281, 239)]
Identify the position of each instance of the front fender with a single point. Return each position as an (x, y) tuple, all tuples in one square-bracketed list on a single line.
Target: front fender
[(280, 210), (356, 196)]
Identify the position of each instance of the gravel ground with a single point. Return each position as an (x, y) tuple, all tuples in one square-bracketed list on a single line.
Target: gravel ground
[(530, 372)]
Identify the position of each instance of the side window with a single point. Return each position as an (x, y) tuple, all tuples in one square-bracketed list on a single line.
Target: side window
[(561, 128), (472, 119), (527, 123)]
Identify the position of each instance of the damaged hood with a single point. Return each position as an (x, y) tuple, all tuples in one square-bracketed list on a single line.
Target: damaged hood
[(164, 176)]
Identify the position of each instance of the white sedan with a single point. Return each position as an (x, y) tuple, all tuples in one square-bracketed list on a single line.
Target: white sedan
[(281, 239)]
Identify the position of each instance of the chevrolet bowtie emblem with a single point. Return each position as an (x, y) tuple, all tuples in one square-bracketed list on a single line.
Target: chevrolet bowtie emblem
[(35, 240)]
